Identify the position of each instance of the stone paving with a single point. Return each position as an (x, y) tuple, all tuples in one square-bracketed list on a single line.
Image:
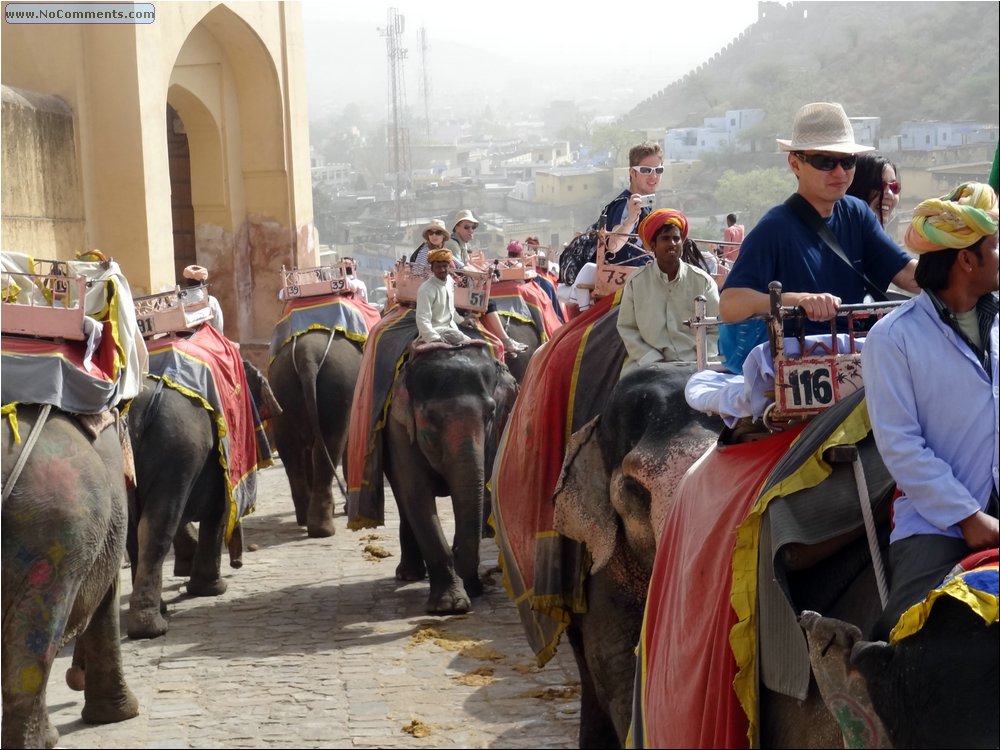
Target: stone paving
[(315, 644)]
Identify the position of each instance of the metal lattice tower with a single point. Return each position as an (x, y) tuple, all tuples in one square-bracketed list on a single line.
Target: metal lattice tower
[(397, 134), (426, 81)]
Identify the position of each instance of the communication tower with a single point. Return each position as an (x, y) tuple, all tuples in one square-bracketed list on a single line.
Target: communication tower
[(398, 138), (426, 81)]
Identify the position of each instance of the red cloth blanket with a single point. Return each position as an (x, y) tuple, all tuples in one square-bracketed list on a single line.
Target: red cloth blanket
[(685, 696), (568, 382), (539, 306), (207, 366)]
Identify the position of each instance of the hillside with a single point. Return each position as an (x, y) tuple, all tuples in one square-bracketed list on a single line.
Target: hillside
[(895, 60)]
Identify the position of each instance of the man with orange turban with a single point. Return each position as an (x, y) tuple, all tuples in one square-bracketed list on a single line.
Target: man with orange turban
[(437, 318), (930, 370), (658, 298)]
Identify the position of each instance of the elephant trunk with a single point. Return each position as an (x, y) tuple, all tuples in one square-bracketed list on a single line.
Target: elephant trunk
[(465, 474)]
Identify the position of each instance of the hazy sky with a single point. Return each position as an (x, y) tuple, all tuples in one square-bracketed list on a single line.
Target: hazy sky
[(516, 54)]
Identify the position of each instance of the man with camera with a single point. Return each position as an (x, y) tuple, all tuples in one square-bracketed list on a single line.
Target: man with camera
[(619, 218)]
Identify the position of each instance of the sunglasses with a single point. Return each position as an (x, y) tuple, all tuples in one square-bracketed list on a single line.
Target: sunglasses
[(648, 170), (893, 187), (467, 227), (825, 163), (436, 231)]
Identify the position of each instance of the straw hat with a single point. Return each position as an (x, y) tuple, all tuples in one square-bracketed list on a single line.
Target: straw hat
[(435, 224), (822, 126), (464, 215)]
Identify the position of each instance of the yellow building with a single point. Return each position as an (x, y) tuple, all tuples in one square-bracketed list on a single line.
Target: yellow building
[(165, 143), (564, 186)]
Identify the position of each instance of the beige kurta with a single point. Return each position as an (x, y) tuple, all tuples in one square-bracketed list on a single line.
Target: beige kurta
[(653, 311), (436, 308)]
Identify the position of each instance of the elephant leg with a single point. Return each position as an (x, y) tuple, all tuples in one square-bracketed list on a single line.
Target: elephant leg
[(596, 728), (145, 616), (411, 566), (298, 469), (448, 592), (236, 547), (185, 545), (107, 699), (206, 578), (319, 519), (76, 677), (32, 630)]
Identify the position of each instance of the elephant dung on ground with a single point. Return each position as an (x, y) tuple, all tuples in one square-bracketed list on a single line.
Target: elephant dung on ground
[(614, 492), (313, 379), (448, 409), (179, 480), (64, 527)]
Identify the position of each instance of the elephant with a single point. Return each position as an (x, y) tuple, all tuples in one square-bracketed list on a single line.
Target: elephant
[(179, 480), (313, 378), (524, 333), (911, 693), (64, 528), (613, 493), (448, 408)]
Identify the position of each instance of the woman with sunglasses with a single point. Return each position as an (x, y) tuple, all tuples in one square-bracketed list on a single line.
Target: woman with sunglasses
[(435, 235), (620, 218), (877, 184)]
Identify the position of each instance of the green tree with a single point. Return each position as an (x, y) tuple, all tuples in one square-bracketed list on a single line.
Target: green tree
[(751, 193), (617, 139)]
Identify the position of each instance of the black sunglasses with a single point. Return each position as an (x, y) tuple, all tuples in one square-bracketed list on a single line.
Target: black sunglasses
[(825, 163)]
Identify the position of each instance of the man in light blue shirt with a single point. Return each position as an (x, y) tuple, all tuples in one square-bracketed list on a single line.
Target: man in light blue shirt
[(931, 385)]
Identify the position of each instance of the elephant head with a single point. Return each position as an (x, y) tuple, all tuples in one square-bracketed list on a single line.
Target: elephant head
[(260, 390), (935, 688), (622, 468)]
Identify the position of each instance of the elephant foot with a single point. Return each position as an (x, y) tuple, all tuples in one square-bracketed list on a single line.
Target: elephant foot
[(474, 587), (197, 587), (406, 572), (76, 678), (146, 624), (451, 601), (300, 518), (321, 530), (111, 710)]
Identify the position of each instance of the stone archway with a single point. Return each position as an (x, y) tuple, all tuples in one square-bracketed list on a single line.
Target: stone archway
[(235, 120)]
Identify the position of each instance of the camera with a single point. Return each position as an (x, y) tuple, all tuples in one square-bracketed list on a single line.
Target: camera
[(647, 200)]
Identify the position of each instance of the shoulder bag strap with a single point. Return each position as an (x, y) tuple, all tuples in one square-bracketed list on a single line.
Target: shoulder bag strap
[(804, 210)]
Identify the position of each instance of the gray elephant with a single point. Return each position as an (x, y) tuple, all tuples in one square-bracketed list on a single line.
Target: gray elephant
[(614, 492), (911, 693), (448, 409), (313, 378), (64, 527), (179, 480), (527, 334)]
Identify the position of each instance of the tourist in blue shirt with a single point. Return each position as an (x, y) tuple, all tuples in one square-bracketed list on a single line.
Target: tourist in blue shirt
[(784, 248), (930, 370)]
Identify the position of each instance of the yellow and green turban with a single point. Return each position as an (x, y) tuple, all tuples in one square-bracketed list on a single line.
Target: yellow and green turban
[(956, 220)]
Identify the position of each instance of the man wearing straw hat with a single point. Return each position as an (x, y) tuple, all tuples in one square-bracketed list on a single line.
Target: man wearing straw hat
[(196, 276), (825, 247), (930, 370)]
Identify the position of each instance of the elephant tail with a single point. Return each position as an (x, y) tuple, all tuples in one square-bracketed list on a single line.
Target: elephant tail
[(308, 371)]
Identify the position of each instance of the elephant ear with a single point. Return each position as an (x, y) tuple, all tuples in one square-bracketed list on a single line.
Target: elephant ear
[(583, 509), (401, 408)]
